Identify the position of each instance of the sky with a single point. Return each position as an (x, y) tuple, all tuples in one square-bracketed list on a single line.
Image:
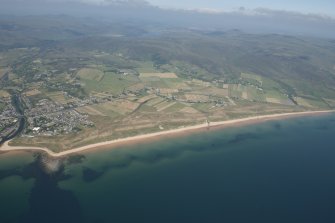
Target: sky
[(296, 17), (304, 6), (323, 7)]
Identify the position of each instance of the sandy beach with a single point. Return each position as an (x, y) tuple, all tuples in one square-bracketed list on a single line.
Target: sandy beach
[(7, 148)]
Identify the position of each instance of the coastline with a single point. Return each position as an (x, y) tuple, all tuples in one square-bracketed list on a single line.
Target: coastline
[(254, 119)]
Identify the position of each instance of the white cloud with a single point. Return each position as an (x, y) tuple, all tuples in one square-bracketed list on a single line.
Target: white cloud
[(265, 12)]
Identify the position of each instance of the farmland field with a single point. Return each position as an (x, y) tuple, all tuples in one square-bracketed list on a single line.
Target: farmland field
[(159, 75), (32, 92), (4, 94), (58, 97), (91, 74), (146, 67), (253, 78), (111, 82)]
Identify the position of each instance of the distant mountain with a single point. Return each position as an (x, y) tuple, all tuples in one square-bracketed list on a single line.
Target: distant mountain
[(252, 21)]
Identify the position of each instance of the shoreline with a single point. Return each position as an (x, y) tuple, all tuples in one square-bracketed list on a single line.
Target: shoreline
[(7, 148)]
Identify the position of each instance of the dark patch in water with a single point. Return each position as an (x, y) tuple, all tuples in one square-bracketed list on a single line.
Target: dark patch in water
[(156, 156), (90, 175), (152, 157), (47, 202), (300, 122), (277, 126), (26, 172), (7, 173), (325, 124), (243, 137), (75, 159), (323, 127)]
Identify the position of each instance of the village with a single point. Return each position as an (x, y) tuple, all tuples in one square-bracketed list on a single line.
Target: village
[(47, 117), (8, 119)]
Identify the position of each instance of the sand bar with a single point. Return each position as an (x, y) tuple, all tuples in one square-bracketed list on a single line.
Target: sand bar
[(6, 147)]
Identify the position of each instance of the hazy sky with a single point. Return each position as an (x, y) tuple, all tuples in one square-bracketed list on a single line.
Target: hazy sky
[(261, 16), (323, 7), (314, 6), (304, 6), (326, 7)]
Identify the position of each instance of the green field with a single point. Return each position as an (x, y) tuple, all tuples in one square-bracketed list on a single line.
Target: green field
[(146, 67), (111, 82), (91, 74), (253, 79)]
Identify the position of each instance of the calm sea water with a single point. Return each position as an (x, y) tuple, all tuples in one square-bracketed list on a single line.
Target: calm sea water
[(278, 171)]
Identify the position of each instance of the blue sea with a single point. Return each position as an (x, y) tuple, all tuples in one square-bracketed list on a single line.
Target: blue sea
[(276, 171)]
